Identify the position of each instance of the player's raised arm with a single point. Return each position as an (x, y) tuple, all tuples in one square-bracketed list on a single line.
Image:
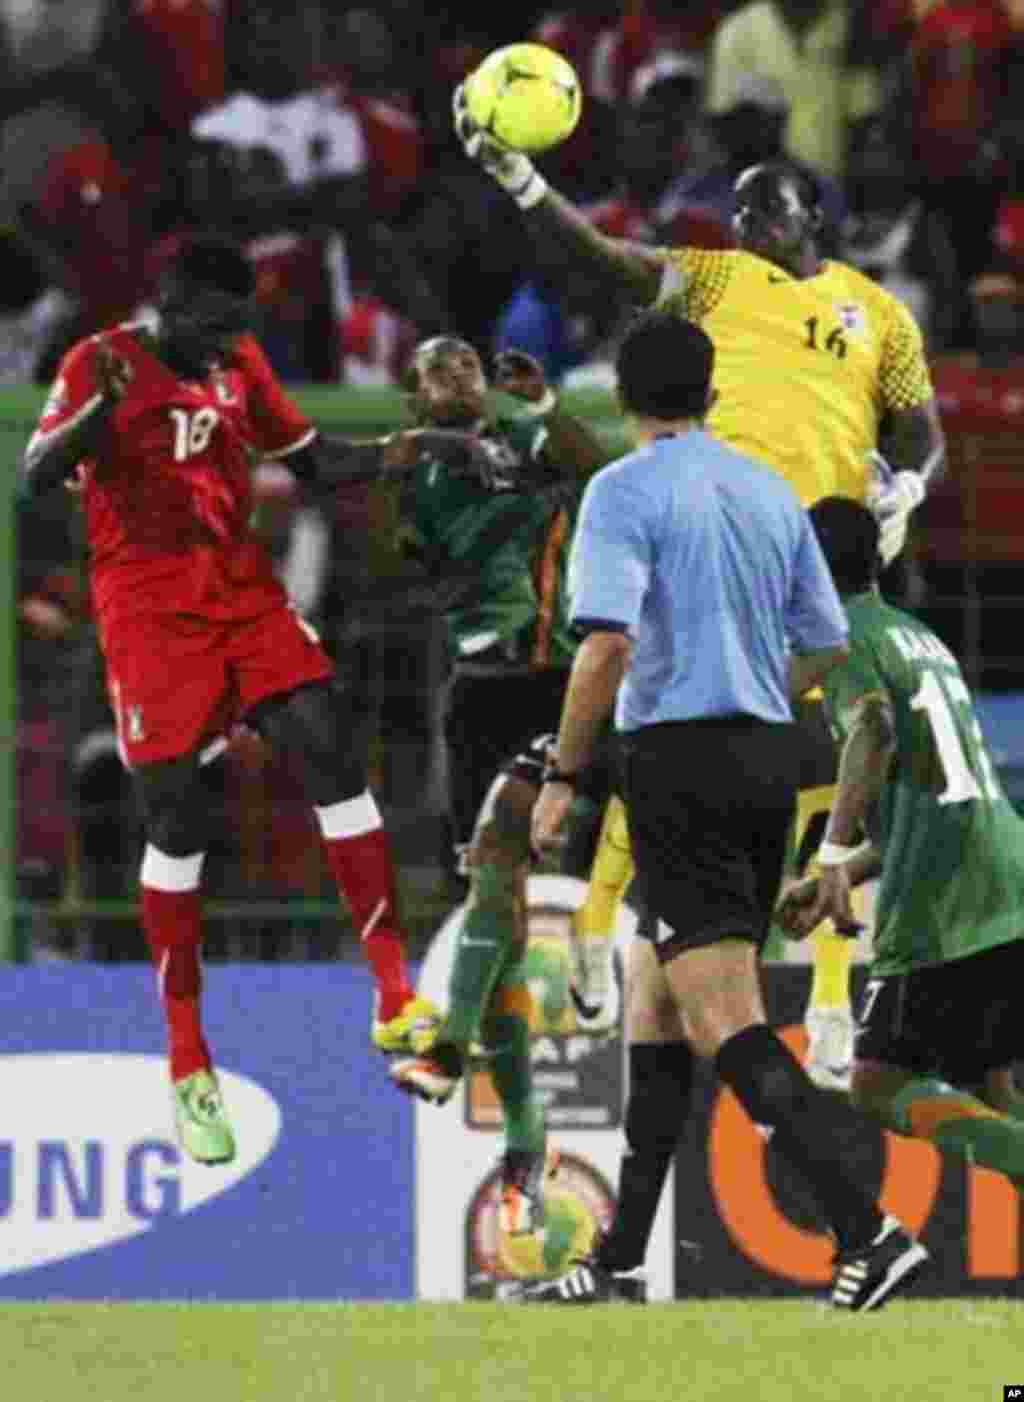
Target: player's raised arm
[(324, 463), (91, 381), (635, 268)]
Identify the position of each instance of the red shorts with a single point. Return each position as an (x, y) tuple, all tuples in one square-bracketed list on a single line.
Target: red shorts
[(178, 683)]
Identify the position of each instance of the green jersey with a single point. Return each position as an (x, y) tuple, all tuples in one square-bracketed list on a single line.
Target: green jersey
[(952, 881), (520, 602)]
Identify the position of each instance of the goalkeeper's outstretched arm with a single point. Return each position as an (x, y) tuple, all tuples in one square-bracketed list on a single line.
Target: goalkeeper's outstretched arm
[(636, 269)]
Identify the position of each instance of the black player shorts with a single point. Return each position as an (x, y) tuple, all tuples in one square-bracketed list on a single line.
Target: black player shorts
[(709, 805), (955, 1021)]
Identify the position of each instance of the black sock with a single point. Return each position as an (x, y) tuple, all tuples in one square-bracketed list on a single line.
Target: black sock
[(773, 1088), (660, 1083)]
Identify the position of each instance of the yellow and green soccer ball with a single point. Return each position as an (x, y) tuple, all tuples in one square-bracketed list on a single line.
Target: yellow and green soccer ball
[(526, 96), (569, 1231)]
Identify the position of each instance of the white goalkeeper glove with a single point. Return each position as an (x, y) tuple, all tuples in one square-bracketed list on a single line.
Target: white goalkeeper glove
[(513, 170), (892, 496)]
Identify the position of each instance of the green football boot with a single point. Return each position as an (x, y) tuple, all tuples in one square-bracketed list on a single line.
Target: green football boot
[(204, 1130)]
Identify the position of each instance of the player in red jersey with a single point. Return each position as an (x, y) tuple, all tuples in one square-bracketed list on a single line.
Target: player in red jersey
[(157, 429)]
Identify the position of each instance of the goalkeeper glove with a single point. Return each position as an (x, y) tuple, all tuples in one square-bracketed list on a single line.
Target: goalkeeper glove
[(513, 170), (891, 498)]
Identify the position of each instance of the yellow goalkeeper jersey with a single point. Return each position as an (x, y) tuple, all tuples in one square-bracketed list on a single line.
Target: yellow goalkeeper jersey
[(805, 368)]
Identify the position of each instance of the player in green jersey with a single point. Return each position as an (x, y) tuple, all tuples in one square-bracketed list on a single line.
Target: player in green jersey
[(511, 654), (940, 1025), (508, 643)]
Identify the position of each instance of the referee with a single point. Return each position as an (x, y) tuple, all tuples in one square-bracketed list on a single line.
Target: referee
[(705, 602)]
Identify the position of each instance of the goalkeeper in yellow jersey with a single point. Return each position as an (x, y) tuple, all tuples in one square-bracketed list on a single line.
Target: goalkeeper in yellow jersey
[(821, 374)]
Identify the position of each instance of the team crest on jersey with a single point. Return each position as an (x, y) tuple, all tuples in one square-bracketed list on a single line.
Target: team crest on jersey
[(852, 317), (223, 390)]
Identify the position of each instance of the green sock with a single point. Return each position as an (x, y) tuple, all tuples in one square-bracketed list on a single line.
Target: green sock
[(961, 1124), (507, 1039), (485, 940)]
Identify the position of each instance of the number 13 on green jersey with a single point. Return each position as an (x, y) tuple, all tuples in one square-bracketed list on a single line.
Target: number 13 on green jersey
[(952, 878)]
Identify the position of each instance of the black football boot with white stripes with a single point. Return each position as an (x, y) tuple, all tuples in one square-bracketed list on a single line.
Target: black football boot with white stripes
[(867, 1275), (591, 1282)]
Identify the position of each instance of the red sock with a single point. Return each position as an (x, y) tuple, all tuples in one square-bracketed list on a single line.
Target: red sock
[(365, 873), (171, 920)]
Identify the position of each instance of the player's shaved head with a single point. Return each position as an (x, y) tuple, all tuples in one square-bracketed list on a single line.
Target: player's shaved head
[(777, 211), (848, 535)]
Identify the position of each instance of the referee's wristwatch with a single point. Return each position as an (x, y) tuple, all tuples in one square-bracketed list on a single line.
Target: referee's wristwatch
[(551, 774)]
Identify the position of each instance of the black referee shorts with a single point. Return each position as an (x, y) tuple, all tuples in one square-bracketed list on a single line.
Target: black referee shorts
[(709, 804)]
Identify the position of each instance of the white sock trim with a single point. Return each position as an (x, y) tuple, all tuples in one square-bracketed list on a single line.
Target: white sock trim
[(163, 873), (350, 818)]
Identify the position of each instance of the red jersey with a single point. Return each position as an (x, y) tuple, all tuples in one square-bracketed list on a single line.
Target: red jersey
[(168, 498), (93, 202), (956, 55), (606, 56), (377, 343), (186, 55), (395, 148)]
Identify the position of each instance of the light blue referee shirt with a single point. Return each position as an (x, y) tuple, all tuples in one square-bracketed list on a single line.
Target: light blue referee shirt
[(710, 564)]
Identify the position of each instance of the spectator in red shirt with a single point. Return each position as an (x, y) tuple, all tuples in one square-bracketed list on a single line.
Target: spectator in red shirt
[(92, 221), (376, 343), (173, 51), (957, 76), (608, 45), (363, 68), (347, 155), (576, 32)]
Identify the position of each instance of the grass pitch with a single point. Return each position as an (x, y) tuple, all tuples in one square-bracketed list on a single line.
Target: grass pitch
[(699, 1351)]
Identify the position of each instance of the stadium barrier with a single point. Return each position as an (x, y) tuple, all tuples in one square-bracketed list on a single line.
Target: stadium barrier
[(343, 1189)]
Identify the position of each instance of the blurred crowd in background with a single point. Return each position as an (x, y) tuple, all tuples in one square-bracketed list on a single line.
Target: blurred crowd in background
[(319, 135)]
